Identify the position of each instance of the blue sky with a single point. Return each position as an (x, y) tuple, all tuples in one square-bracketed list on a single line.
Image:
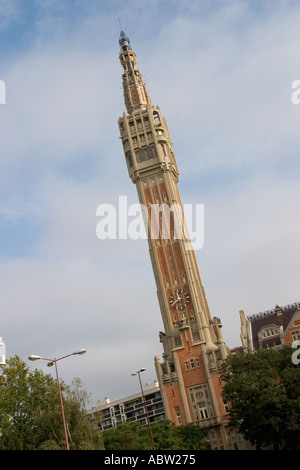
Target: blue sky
[(221, 72)]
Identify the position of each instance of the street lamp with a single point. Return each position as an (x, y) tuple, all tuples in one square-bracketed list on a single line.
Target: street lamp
[(144, 400), (52, 362)]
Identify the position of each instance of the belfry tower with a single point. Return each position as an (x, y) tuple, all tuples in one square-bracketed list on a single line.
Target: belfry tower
[(192, 341)]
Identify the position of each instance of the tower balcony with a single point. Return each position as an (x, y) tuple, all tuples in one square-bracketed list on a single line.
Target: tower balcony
[(209, 422)]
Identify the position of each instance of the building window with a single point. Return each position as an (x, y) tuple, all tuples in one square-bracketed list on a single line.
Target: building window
[(129, 158), (203, 414), (201, 403), (269, 331), (226, 407), (178, 415), (192, 363), (295, 335), (146, 153), (210, 357)]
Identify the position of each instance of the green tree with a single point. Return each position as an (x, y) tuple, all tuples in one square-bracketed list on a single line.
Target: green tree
[(30, 413), (126, 436), (193, 438), (20, 407), (166, 436), (263, 390)]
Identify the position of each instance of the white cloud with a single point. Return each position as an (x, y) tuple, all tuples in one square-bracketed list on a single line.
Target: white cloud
[(223, 81), (250, 257), (226, 92)]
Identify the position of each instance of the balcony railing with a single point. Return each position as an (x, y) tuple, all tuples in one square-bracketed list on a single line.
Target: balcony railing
[(209, 422)]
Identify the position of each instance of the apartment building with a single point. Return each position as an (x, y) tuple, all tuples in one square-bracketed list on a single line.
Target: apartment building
[(131, 409)]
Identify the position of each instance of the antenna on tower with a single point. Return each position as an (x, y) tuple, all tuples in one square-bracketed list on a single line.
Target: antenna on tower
[(120, 23)]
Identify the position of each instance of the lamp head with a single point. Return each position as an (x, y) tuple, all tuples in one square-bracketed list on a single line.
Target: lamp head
[(80, 351), (33, 357), (141, 370)]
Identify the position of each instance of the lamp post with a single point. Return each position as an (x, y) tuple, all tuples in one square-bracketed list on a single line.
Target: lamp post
[(52, 362), (144, 400)]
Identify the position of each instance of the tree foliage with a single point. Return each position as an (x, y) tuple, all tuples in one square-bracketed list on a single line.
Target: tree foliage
[(264, 392), (30, 413), (166, 436)]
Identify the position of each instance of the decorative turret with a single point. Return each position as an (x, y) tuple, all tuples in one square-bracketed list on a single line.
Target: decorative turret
[(135, 91)]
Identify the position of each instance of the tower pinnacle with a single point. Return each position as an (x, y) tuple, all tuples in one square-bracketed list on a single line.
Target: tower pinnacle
[(135, 91), (124, 42)]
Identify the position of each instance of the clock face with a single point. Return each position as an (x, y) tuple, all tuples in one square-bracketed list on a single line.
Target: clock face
[(179, 299)]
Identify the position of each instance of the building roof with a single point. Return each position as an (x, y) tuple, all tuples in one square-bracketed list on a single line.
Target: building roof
[(148, 389), (279, 318)]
